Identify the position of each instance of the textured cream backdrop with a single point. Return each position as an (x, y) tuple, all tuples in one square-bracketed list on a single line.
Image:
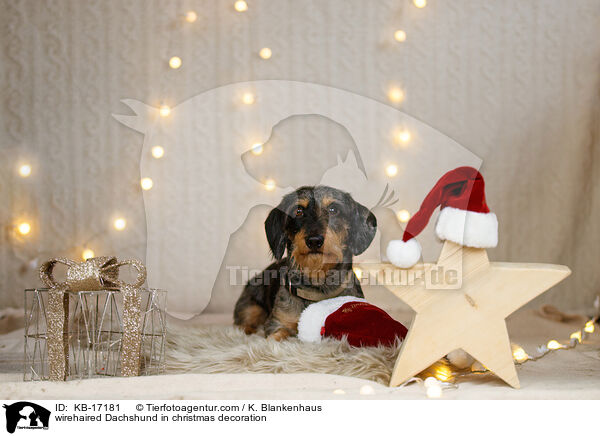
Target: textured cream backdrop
[(516, 82)]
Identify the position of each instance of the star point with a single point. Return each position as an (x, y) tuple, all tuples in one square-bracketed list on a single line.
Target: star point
[(462, 301)]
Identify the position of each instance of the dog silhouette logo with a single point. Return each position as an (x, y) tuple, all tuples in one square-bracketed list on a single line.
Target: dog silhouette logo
[(226, 163), (26, 415)]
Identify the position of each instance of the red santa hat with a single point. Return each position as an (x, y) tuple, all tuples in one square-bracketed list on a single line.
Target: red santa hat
[(464, 218), (353, 318)]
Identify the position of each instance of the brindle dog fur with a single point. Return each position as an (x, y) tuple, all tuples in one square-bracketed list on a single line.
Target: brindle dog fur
[(321, 228)]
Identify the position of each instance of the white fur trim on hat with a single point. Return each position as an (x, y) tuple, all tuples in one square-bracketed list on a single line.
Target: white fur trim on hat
[(403, 254), (312, 319), (471, 229)]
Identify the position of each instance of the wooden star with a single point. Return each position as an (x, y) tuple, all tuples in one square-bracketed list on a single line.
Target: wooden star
[(461, 302)]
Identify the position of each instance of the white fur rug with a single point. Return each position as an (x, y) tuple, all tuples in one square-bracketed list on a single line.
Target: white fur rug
[(209, 350), (566, 374)]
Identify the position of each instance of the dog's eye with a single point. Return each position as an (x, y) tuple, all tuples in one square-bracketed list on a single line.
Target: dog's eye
[(299, 211), (333, 209)]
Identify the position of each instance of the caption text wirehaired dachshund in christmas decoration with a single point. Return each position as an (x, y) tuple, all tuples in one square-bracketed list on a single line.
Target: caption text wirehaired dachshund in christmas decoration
[(321, 228)]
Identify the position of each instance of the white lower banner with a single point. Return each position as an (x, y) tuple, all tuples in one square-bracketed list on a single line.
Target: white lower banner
[(289, 417)]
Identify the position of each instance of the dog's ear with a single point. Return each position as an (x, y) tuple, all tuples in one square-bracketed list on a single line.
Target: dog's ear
[(362, 230), (275, 229)]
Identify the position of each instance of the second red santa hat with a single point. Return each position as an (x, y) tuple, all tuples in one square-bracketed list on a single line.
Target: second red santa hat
[(464, 218)]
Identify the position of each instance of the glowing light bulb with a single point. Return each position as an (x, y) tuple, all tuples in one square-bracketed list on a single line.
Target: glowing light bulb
[(265, 53), (270, 185), (400, 35), (403, 136), (576, 335), (87, 254), (589, 327), (434, 391), (367, 390), (519, 354), (240, 6), (358, 272), (420, 3), (24, 228), (339, 392), (443, 373), (120, 224), (554, 345), (391, 170), (257, 149), (403, 216), (396, 95), (248, 98), (25, 170), (431, 381), (175, 62), (146, 183), (191, 16), (165, 110), (158, 152)]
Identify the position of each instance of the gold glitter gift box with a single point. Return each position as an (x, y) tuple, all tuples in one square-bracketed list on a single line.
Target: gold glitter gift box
[(93, 324)]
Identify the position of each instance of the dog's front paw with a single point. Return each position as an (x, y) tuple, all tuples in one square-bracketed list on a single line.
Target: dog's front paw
[(279, 335), (249, 330)]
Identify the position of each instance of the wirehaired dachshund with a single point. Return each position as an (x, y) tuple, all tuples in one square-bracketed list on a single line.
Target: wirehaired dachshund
[(321, 228)]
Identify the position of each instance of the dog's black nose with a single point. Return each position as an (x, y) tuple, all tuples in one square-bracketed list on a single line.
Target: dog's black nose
[(314, 242)]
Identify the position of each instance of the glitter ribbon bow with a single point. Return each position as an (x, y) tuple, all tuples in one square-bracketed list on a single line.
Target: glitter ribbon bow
[(92, 275)]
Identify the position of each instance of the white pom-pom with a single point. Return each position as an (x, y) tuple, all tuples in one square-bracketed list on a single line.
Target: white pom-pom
[(404, 254)]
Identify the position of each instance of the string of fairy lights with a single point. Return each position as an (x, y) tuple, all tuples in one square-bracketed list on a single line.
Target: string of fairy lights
[(23, 227), (443, 376), (439, 376)]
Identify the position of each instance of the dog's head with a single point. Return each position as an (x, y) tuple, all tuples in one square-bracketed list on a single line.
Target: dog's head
[(320, 227)]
